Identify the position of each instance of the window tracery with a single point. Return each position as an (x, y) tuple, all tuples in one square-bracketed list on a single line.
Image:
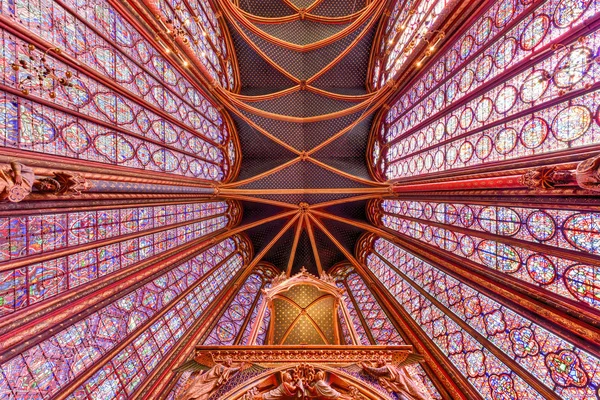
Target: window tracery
[(462, 229), (372, 317), (433, 298), (163, 123), (29, 236), (459, 130), (242, 312), (53, 363)]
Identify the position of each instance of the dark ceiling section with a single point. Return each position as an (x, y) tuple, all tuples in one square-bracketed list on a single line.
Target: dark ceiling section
[(300, 4), (254, 211), (328, 252), (254, 147), (337, 8), (266, 8), (279, 254), (256, 75), (309, 198), (302, 104), (302, 175), (349, 75), (303, 64), (263, 234), (305, 256), (296, 183), (304, 136), (355, 210), (302, 32)]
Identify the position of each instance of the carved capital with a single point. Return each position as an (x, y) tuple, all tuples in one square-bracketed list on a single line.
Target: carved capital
[(545, 178)]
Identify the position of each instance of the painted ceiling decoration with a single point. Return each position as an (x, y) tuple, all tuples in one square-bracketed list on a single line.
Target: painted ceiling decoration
[(391, 189)]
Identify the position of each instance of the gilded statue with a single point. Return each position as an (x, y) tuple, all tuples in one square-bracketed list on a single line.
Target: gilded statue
[(207, 383), (396, 379), (16, 183)]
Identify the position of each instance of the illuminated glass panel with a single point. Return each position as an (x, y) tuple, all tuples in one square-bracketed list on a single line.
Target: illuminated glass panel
[(409, 26), (264, 324), (440, 85), (206, 39), (355, 319), (428, 130), (264, 327), (174, 225), (565, 369), (378, 323), (180, 130), (129, 368), (461, 229), (45, 368), (181, 381), (230, 324)]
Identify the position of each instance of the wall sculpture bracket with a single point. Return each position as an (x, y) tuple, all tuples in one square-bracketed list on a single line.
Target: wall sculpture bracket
[(302, 372)]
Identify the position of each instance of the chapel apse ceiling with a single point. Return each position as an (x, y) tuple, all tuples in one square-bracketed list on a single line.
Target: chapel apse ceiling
[(437, 181), (303, 114)]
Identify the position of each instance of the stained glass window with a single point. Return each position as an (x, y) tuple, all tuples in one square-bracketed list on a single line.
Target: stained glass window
[(437, 124), (373, 317), (246, 302), (149, 319), (501, 238), (408, 28), (205, 35), (113, 239), (148, 117), (432, 298)]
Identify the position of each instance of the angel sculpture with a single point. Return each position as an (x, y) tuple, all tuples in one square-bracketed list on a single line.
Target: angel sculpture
[(284, 391), (397, 378), (205, 384), (322, 390)]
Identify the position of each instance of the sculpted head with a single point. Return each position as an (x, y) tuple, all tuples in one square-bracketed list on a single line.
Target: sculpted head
[(47, 185), (320, 375), (286, 377), (228, 361)]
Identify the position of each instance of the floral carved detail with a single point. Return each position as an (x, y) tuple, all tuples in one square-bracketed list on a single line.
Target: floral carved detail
[(545, 178), (15, 182), (63, 184), (523, 342), (565, 369)]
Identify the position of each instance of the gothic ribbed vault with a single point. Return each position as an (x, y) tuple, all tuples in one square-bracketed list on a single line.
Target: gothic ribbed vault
[(357, 173)]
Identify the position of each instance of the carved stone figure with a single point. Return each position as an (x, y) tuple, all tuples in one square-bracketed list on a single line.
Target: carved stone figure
[(397, 380), (588, 174), (545, 178), (284, 391), (321, 389), (16, 182), (210, 381), (63, 183)]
